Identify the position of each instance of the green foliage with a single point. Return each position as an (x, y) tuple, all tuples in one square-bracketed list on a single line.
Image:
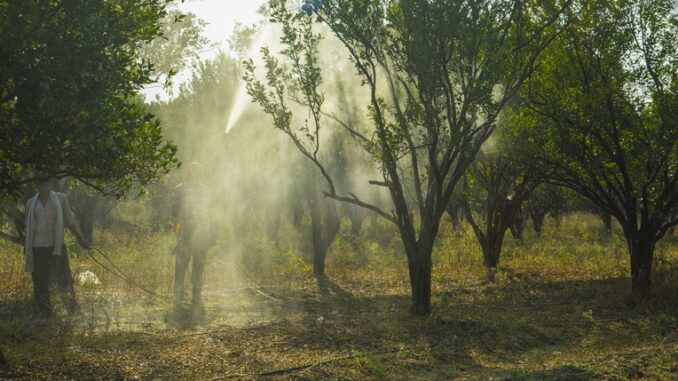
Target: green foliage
[(179, 42), (593, 337), (242, 38), (495, 188), (69, 103), (599, 116), (201, 107), (590, 118), (448, 67), (297, 264), (298, 79)]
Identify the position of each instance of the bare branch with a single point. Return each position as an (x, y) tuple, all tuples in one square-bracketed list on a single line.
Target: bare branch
[(11, 238), (381, 183), (346, 126), (354, 200)]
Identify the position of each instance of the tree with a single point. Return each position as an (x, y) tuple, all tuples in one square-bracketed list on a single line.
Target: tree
[(454, 209), (324, 228), (447, 69), (545, 199), (89, 207), (178, 42), (69, 82), (517, 225), (496, 187), (601, 115)]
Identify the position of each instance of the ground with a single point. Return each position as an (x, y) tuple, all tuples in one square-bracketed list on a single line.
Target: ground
[(555, 310)]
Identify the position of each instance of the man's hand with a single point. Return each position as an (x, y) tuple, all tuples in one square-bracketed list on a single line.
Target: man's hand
[(85, 245), (78, 236), (81, 240), (175, 226)]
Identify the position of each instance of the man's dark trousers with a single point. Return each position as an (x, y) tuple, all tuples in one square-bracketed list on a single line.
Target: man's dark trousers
[(48, 269)]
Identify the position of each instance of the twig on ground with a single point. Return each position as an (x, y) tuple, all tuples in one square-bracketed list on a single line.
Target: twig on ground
[(231, 328), (302, 367), (158, 336), (259, 287), (511, 306)]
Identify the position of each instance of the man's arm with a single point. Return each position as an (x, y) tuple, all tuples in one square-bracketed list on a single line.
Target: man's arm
[(176, 208), (69, 222)]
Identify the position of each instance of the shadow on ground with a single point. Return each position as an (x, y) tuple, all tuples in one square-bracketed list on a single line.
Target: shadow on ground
[(508, 330)]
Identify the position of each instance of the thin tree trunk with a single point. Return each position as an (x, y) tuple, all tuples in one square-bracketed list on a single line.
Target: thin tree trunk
[(356, 222), (454, 210), (273, 227), (517, 228), (86, 221), (104, 217), (317, 238), (324, 229), (607, 222), (517, 224), (297, 214), (357, 218), (538, 221)]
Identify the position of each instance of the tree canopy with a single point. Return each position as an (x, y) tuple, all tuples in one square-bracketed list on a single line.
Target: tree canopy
[(438, 73), (69, 83), (600, 115)]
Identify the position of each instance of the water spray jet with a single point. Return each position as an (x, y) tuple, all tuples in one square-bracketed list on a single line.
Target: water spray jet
[(240, 103), (241, 99)]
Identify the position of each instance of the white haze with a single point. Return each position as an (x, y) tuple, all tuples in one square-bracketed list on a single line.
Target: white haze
[(257, 178), (221, 17)]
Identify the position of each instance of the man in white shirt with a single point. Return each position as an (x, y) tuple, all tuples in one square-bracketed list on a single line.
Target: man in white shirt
[(47, 213)]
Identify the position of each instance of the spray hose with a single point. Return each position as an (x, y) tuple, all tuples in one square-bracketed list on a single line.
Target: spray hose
[(115, 270)]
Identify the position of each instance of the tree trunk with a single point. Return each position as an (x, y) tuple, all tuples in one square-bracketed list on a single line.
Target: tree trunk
[(454, 211), (538, 221), (104, 218), (517, 228), (297, 214), (319, 261), (324, 229), (490, 240), (419, 264), (491, 252), (641, 249), (273, 227), (317, 238), (84, 208), (357, 219), (607, 222), (86, 221), (518, 222)]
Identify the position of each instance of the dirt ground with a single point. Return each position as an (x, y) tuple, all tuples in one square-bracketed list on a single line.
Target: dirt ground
[(518, 327), (559, 308)]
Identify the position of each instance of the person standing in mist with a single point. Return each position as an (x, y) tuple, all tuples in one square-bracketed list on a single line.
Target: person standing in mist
[(194, 229), (46, 258)]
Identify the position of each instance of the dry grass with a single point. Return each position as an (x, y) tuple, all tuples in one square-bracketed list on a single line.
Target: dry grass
[(558, 309)]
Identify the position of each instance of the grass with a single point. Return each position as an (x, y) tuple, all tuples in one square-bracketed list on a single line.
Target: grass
[(559, 308)]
